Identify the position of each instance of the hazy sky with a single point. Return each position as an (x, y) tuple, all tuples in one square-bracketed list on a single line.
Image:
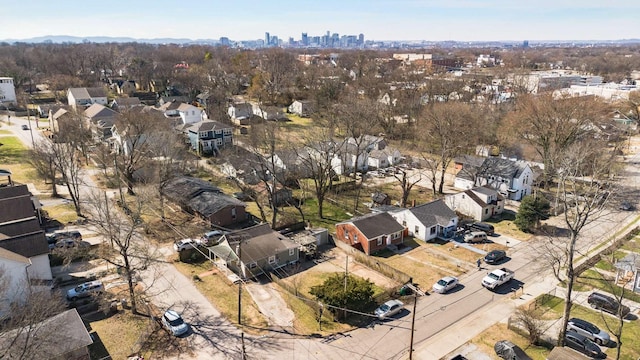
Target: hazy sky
[(460, 20)]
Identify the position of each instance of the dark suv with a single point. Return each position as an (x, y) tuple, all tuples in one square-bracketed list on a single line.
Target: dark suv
[(607, 303), (481, 226)]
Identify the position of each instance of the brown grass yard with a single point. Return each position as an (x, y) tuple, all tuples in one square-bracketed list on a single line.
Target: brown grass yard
[(487, 339), (224, 295), (120, 332)]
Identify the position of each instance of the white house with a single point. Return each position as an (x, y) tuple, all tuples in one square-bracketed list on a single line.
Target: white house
[(189, 114), (14, 277), (384, 158), (7, 90), (302, 108), (427, 221), (240, 113), (512, 179), (86, 96), (348, 159), (480, 203)]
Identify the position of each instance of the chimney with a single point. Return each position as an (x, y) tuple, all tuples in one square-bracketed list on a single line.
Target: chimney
[(413, 203)]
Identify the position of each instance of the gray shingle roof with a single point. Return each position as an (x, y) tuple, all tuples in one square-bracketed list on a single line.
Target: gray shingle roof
[(259, 242), (376, 224), (208, 125), (433, 213), (199, 195)]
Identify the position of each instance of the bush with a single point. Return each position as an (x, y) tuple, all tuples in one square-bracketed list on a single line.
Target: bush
[(358, 294), (532, 210)]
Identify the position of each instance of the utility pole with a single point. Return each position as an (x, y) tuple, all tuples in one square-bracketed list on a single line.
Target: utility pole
[(244, 355), (346, 276), (413, 324)]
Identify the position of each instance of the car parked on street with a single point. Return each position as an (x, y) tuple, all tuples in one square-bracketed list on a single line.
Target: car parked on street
[(173, 322), (85, 290), (607, 303), (495, 256), (582, 344), (509, 351), (388, 309), (589, 330), (445, 284)]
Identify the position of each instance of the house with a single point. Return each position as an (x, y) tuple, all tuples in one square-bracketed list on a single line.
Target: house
[(60, 337), (122, 103), (370, 233), (100, 119), (512, 179), (14, 277), (368, 142), (380, 159), (255, 250), (240, 113), (243, 165), (628, 271), (348, 159), (302, 108), (268, 112), (189, 114), (7, 91), (59, 115), (479, 203), (20, 231), (199, 197), (126, 87), (427, 221), (83, 97), (207, 137)]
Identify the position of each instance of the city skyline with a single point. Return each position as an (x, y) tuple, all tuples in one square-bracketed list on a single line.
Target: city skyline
[(382, 20)]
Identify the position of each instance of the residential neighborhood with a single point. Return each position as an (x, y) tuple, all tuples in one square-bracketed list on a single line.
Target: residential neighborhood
[(232, 203)]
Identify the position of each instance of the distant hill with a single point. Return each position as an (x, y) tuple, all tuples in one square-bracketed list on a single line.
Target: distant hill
[(58, 39)]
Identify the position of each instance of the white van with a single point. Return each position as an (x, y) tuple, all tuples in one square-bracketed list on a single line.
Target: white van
[(475, 237)]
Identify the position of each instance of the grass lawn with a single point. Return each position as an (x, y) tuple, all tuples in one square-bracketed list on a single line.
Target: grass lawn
[(306, 320), (591, 279), (5, 132), (120, 332), (487, 339), (64, 213), (12, 150), (504, 225), (607, 264), (224, 295)]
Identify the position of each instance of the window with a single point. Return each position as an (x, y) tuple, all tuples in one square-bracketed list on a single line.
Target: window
[(417, 230), (432, 230), (272, 259), (292, 252), (355, 238), (404, 223), (218, 132), (346, 234), (379, 241), (396, 235), (233, 213), (486, 211)]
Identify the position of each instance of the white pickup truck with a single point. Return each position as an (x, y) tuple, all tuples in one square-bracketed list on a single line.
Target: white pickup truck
[(496, 278)]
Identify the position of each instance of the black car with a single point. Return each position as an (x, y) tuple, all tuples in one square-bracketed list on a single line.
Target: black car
[(25, 127), (583, 345), (482, 226), (507, 350), (607, 303), (495, 256)]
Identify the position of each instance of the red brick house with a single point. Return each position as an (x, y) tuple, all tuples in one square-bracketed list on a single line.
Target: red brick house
[(370, 233)]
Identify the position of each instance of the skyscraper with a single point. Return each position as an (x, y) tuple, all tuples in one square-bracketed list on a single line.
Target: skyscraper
[(305, 39), (267, 39)]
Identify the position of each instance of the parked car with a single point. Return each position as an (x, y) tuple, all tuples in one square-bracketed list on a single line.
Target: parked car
[(85, 290), (589, 330), (72, 234), (583, 345), (185, 244), (445, 284), (211, 236), (509, 351), (388, 309), (475, 237), (25, 127), (481, 226), (607, 303), (626, 206), (495, 256), (69, 243), (173, 322)]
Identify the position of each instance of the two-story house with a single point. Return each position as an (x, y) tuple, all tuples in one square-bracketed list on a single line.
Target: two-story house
[(240, 113), (83, 97), (370, 233), (479, 203), (511, 178), (207, 137), (100, 119)]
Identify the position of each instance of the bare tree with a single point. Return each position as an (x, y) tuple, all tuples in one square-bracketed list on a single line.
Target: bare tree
[(583, 190), (65, 158), (530, 320), (447, 133), (42, 161), (125, 246), (406, 182)]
